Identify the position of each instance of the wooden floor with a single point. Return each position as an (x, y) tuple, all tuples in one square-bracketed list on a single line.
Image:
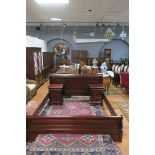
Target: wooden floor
[(124, 145)]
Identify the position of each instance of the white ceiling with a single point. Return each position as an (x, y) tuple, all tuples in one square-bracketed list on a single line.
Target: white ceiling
[(76, 12)]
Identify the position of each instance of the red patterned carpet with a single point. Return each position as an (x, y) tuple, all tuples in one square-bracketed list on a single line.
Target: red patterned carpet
[(74, 108), (73, 144)]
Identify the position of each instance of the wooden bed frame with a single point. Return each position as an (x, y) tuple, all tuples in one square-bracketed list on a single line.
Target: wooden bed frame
[(111, 125), (76, 85)]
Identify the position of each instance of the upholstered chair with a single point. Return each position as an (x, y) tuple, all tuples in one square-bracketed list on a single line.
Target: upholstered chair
[(124, 81), (31, 89), (128, 70), (113, 67), (116, 67), (119, 70), (125, 69), (122, 67)]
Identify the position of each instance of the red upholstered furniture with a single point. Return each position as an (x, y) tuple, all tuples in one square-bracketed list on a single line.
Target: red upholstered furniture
[(124, 80)]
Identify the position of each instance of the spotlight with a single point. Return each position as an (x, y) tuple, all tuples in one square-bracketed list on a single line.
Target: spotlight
[(97, 24), (102, 25), (117, 24), (37, 28)]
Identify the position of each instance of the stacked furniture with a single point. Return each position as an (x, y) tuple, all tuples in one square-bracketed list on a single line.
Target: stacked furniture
[(67, 70), (77, 69)]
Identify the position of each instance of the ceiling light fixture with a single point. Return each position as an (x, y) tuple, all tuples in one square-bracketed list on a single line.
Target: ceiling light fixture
[(56, 19), (122, 34), (52, 1), (109, 34)]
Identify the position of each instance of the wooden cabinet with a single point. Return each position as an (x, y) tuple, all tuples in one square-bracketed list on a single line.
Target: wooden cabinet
[(107, 57), (96, 92), (56, 94), (48, 59), (34, 64), (48, 64), (78, 55), (45, 73)]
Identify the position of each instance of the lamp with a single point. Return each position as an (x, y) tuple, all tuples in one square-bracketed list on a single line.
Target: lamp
[(109, 34), (122, 34)]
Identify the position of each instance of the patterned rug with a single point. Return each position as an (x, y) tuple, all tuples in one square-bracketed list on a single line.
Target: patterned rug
[(73, 144), (122, 102), (72, 108), (124, 107), (113, 90), (76, 108), (121, 97)]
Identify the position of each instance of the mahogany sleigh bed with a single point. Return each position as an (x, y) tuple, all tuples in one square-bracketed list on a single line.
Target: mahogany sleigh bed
[(111, 125)]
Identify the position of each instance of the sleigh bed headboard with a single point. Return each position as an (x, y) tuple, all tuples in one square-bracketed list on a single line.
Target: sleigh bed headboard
[(75, 84)]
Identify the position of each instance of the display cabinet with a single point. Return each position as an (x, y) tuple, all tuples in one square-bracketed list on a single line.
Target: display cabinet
[(34, 65), (48, 60)]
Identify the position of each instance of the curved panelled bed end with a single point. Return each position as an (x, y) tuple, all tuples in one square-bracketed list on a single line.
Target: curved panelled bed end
[(111, 125)]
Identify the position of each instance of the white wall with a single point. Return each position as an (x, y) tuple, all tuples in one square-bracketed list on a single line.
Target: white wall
[(35, 42)]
